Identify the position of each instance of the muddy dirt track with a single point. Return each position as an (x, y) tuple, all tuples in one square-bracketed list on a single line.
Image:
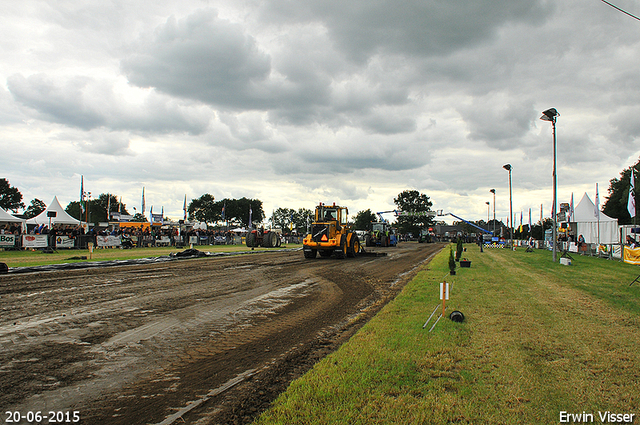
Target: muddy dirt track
[(210, 340)]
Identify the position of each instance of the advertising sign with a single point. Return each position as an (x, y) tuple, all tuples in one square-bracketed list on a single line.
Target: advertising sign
[(65, 242), (631, 255), (7, 240), (35, 241), (108, 241)]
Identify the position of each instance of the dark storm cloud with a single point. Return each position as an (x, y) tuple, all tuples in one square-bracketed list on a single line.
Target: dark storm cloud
[(217, 62), (500, 123), (59, 103), (202, 57), (363, 28)]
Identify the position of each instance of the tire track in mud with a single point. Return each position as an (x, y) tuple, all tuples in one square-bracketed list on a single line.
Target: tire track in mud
[(134, 344)]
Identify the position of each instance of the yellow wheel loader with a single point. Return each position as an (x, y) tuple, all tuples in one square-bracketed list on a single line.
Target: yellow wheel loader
[(331, 234)]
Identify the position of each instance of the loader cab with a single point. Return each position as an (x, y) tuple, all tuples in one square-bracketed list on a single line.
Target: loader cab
[(328, 213)]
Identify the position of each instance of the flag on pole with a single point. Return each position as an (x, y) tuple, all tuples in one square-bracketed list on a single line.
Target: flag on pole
[(596, 211), (520, 228), (224, 207), (82, 194), (571, 211), (143, 203), (120, 205), (631, 203), (250, 213), (108, 205), (529, 219), (184, 206)]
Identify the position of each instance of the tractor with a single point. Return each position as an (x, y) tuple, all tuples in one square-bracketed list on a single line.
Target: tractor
[(381, 234), (261, 237), (331, 234)]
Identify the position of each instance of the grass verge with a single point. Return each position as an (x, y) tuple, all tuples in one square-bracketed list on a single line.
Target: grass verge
[(28, 258), (539, 339)]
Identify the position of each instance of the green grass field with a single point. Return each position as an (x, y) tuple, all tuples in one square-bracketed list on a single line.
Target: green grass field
[(30, 258), (538, 339)]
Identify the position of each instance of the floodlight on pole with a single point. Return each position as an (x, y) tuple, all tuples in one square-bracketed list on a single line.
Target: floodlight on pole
[(488, 210), (550, 115), (494, 210), (509, 168)]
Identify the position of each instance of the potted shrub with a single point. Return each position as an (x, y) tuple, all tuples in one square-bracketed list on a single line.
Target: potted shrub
[(459, 248), (452, 262)]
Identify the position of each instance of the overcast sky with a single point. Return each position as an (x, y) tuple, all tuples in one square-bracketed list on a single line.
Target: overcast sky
[(307, 101)]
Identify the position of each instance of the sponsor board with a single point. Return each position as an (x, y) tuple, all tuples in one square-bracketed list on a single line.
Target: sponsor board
[(7, 240), (35, 241), (103, 241)]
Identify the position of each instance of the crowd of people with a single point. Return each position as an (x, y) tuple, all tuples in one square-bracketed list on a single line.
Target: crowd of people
[(11, 229), (140, 236)]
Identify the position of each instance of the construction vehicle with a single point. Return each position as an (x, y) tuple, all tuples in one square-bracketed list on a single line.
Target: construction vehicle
[(426, 235), (381, 234), (331, 234), (264, 238)]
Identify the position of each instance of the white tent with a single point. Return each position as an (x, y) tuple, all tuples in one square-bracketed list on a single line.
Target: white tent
[(5, 217), (588, 225), (61, 216)]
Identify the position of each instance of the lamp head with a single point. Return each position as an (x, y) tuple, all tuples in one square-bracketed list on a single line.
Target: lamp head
[(492, 191), (507, 167), (550, 115)]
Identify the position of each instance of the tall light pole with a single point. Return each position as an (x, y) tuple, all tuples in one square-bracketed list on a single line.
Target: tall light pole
[(550, 115), (488, 211), (494, 210), (508, 168)]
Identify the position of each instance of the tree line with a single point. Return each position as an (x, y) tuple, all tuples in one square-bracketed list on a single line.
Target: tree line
[(228, 211)]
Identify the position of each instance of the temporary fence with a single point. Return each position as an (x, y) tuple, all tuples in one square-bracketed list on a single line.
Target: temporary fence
[(29, 241)]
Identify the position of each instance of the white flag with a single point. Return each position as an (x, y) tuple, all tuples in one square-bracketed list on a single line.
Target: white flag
[(596, 211), (631, 204), (571, 211)]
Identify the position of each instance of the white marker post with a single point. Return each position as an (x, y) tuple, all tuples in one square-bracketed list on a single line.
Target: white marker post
[(444, 294)]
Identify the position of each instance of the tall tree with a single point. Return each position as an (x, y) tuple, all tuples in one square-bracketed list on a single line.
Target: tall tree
[(283, 218), (97, 208), (236, 211), (415, 207), (204, 209), (10, 197), (35, 208), (302, 219), (245, 208), (363, 220), (74, 210), (616, 204), (290, 220)]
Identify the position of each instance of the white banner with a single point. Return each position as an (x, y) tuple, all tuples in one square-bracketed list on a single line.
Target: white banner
[(7, 240), (35, 241), (65, 242), (164, 240), (108, 240)]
